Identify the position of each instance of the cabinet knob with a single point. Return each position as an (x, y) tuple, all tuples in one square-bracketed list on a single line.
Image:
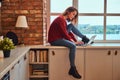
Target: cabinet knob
[(12, 67), (25, 57), (116, 52), (18, 62), (53, 53), (109, 52)]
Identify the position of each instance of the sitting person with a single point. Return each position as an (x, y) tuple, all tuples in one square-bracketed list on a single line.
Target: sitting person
[(60, 35)]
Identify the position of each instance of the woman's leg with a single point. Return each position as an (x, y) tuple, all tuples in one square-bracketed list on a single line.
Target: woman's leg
[(72, 28), (62, 42), (70, 45)]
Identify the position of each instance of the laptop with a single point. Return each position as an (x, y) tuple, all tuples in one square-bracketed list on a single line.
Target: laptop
[(89, 43)]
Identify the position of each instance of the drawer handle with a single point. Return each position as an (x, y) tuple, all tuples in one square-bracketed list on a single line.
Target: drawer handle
[(18, 62), (109, 52), (116, 52), (25, 57), (53, 53), (12, 67)]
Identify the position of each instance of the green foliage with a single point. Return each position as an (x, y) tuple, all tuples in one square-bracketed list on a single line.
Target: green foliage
[(6, 44), (98, 29)]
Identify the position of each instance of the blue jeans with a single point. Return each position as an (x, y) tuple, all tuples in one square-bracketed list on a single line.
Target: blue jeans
[(72, 28), (68, 44)]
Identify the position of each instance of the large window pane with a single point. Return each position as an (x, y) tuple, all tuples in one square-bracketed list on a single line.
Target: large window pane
[(91, 6), (113, 6), (58, 6), (113, 28), (90, 25)]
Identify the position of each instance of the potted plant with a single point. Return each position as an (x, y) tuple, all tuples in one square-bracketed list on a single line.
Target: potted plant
[(6, 44)]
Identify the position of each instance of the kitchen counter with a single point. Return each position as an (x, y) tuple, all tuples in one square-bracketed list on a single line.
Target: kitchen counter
[(107, 44), (16, 54), (7, 63), (104, 45), (94, 45)]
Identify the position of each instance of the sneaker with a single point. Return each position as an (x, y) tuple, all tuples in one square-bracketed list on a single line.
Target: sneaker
[(85, 39)]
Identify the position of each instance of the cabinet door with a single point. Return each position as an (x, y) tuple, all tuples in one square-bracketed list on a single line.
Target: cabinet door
[(59, 64), (116, 64), (14, 72), (20, 70), (26, 67), (23, 68), (98, 64)]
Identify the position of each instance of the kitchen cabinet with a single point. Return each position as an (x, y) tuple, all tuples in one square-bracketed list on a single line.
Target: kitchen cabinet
[(23, 68), (59, 64), (16, 66), (116, 64), (20, 70), (14, 72), (102, 64)]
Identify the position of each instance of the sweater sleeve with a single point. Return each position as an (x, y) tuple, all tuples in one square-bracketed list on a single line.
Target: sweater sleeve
[(62, 27), (72, 36)]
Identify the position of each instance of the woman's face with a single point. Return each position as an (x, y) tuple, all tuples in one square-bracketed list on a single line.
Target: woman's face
[(71, 15)]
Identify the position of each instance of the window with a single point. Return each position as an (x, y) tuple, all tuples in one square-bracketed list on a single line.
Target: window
[(56, 7), (113, 28), (100, 17), (113, 6), (91, 6), (90, 25)]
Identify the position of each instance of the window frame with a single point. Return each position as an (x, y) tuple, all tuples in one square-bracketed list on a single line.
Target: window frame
[(105, 14)]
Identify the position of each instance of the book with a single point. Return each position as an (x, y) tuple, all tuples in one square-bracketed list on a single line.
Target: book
[(41, 56), (37, 55), (38, 72), (31, 56), (45, 56)]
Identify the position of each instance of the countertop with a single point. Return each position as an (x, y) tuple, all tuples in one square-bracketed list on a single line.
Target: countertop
[(94, 45), (7, 63), (104, 45)]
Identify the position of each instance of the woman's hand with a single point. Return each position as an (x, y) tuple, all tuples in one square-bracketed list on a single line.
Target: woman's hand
[(73, 22), (77, 42)]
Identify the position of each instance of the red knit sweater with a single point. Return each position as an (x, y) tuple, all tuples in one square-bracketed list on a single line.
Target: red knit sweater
[(58, 30)]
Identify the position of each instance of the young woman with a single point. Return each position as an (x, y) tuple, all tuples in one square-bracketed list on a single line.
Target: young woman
[(60, 35)]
